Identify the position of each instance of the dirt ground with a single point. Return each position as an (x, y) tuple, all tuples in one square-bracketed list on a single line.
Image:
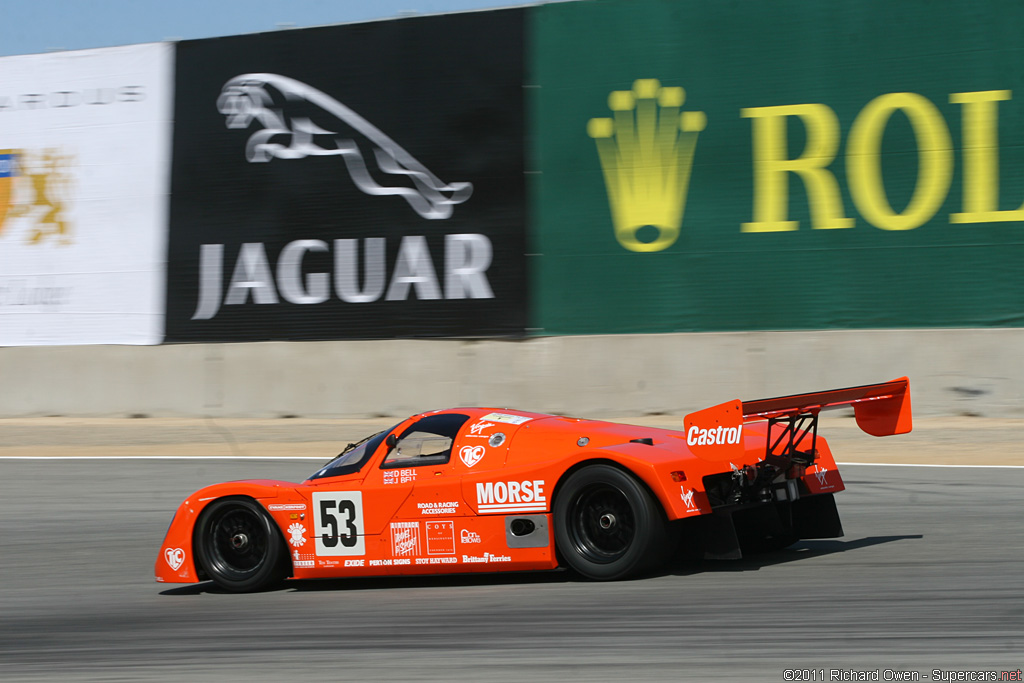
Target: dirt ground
[(934, 441)]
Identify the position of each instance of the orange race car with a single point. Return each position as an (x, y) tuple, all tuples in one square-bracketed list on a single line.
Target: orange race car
[(484, 490)]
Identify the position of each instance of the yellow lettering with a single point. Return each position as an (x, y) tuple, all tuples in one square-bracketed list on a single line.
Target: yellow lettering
[(981, 158), (771, 189), (864, 168)]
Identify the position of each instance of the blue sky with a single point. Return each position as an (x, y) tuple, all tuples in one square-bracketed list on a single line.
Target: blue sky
[(30, 26)]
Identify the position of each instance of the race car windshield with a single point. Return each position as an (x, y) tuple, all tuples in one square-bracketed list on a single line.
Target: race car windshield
[(353, 457)]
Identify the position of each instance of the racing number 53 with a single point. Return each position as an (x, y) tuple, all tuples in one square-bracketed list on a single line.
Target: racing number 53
[(349, 538), (338, 522)]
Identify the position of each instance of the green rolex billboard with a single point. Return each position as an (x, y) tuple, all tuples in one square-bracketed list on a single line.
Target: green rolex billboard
[(782, 165)]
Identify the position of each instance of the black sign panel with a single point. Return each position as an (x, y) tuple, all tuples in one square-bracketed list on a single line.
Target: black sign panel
[(350, 182)]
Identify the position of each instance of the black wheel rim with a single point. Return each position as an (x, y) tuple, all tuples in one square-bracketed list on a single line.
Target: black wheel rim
[(602, 524), (236, 543)]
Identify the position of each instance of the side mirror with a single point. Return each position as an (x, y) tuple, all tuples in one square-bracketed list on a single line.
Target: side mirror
[(391, 441)]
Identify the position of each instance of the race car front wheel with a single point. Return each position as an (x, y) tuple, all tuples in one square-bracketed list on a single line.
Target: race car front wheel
[(607, 524), (238, 545)]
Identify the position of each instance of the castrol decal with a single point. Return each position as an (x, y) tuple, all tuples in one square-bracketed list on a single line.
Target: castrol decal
[(716, 433), (695, 436)]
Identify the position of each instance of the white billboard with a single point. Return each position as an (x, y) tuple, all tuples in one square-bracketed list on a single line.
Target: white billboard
[(84, 184)]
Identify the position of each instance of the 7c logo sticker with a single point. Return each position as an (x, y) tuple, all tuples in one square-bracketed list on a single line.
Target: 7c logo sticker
[(338, 522)]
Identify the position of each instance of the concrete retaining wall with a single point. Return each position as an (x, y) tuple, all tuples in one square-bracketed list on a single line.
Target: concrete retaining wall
[(952, 372)]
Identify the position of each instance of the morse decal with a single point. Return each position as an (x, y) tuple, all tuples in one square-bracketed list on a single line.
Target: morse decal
[(511, 496)]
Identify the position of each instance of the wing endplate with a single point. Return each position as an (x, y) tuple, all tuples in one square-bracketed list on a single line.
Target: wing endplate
[(716, 433)]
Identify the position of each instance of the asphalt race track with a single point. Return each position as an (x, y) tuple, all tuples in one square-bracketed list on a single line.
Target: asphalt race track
[(929, 576)]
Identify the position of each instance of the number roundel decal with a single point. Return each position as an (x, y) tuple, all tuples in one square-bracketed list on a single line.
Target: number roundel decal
[(338, 522)]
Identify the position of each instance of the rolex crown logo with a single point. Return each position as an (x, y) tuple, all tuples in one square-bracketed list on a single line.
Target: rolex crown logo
[(646, 151)]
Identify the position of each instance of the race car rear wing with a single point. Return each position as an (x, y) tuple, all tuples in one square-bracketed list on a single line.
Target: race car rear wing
[(880, 409), (715, 433)]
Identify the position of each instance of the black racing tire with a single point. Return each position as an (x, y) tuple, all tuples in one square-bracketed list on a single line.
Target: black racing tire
[(238, 545), (608, 526)]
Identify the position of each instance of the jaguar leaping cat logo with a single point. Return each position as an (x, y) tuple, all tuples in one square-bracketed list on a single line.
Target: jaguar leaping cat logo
[(251, 97)]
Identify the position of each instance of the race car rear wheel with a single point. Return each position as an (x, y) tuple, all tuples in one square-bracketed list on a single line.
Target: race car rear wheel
[(239, 546), (607, 524)]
